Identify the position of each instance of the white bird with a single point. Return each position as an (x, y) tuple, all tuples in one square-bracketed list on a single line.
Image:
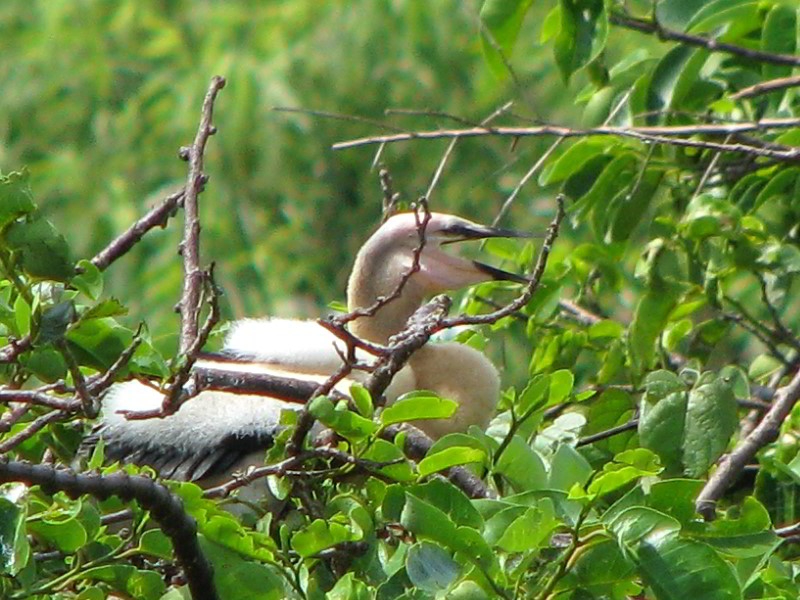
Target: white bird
[(214, 432)]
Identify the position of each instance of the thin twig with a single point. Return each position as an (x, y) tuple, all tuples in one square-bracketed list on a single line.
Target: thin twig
[(765, 432), (35, 426), (438, 172), (39, 398), (602, 435), (190, 245), (155, 217), (764, 87), (667, 134), (652, 26)]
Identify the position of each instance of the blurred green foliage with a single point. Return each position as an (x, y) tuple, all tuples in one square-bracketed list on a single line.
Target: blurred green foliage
[(99, 95), (679, 266)]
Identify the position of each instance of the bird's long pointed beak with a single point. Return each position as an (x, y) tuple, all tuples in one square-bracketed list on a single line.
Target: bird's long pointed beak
[(500, 274), (441, 271), (473, 231)]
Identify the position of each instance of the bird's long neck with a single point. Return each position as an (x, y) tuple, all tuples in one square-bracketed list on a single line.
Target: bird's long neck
[(377, 273)]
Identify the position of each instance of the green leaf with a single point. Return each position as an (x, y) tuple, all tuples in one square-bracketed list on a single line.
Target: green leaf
[(661, 428), (418, 405), (501, 21), (156, 543), (626, 467), (584, 30), (236, 577), (779, 36), (574, 158), (783, 183), (105, 308), (532, 397), (430, 567), (344, 422), (46, 363), (22, 315), (649, 321), (745, 532), (63, 531), (16, 198), (14, 547), (450, 499), (614, 177), (631, 207), (711, 420), (383, 451), (44, 251), (319, 535), (678, 568), (349, 588), (522, 466), (568, 467), (605, 331), (89, 281), (531, 529), (675, 497), (362, 400), (675, 14), (98, 342), (560, 386), (54, 322), (708, 216), (612, 408), (450, 457)]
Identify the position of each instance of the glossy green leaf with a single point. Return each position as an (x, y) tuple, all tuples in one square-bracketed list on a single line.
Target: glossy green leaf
[(236, 577), (711, 420), (574, 159), (418, 405), (430, 567), (649, 321), (614, 178), (349, 588), (319, 535), (662, 428), (344, 422), (14, 547), (89, 281), (54, 321), (451, 500), (362, 400), (530, 529), (583, 35), (568, 467), (64, 532), (560, 386), (44, 251), (383, 451), (450, 457), (779, 36), (522, 466), (156, 543)]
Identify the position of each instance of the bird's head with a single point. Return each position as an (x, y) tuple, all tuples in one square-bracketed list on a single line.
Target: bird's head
[(388, 255)]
